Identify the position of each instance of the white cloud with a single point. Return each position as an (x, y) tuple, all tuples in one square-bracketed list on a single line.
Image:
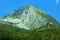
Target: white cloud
[(57, 1)]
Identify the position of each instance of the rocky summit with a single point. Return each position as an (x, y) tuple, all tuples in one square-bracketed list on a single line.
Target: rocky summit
[(29, 17)]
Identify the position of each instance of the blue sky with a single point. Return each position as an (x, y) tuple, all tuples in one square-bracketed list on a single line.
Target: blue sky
[(52, 7)]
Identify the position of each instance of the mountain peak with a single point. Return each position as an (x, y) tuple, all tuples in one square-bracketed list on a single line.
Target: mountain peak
[(30, 17), (28, 5)]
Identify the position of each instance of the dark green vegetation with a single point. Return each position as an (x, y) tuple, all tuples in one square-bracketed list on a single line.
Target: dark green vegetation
[(8, 32)]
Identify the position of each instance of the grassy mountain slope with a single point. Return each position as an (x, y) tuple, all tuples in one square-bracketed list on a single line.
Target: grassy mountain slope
[(8, 32)]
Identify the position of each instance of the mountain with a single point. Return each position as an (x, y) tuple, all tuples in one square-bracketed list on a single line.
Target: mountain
[(29, 23), (29, 17)]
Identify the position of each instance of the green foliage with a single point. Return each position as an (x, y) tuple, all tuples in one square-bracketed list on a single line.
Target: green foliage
[(8, 32)]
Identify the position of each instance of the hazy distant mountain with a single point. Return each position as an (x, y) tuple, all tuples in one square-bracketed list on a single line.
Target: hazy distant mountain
[(29, 17)]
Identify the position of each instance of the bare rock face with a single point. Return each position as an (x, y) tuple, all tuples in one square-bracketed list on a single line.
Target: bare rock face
[(29, 17)]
